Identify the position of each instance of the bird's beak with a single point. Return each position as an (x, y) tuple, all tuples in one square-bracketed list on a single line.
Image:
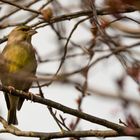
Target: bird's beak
[(32, 32)]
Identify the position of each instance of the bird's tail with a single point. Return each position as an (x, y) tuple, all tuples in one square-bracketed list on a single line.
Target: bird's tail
[(12, 118)]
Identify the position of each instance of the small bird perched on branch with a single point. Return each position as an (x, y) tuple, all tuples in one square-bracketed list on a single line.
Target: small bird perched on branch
[(19, 67)]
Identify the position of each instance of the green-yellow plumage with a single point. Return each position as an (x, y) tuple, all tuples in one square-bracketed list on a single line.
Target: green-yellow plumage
[(20, 67)]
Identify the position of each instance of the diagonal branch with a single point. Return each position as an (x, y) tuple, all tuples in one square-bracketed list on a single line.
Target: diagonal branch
[(63, 108), (19, 6)]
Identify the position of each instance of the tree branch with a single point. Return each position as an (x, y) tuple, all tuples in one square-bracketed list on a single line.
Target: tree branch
[(76, 134), (63, 108), (19, 6)]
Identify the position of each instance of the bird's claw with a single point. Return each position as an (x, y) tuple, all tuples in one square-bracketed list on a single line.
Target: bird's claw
[(38, 95), (11, 88), (31, 96)]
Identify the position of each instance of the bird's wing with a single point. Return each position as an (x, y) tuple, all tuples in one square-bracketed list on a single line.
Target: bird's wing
[(20, 57)]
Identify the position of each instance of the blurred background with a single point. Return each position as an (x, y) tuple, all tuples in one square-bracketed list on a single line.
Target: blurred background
[(95, 55)]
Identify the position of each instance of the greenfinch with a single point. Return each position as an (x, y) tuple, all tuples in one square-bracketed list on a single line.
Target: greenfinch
[(19, 67)]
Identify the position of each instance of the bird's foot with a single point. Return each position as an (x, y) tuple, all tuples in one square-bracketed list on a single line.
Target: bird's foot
[(11, 88), (38, 94), (31, 96)]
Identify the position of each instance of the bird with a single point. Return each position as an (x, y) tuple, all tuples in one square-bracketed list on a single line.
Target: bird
[(20, 66)]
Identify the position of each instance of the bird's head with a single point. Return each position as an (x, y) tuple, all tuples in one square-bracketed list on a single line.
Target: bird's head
[(21, 33)]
